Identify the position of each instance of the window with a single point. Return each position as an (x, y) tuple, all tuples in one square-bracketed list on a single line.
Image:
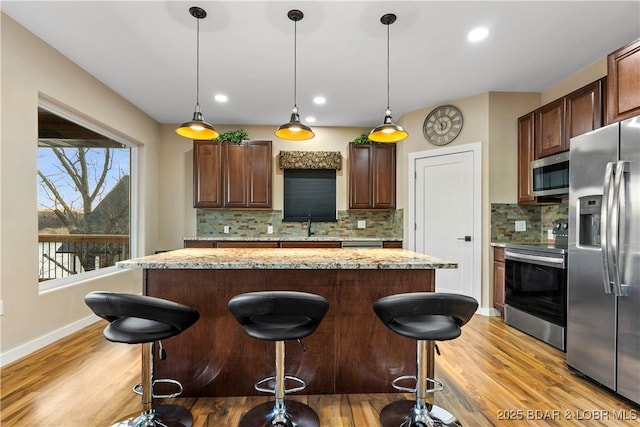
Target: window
[(84, 199), (310, 193)]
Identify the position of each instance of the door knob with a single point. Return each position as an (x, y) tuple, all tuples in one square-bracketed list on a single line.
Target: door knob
[(465, 238)]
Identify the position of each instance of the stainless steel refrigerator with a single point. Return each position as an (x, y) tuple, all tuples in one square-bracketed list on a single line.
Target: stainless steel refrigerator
[(603, 293)]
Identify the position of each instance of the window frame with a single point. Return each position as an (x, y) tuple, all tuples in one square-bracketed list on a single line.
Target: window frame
[(134, 200)]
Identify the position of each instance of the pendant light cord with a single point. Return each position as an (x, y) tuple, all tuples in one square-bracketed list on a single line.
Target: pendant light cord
[(198, 62), (388, 102), (295, 62)]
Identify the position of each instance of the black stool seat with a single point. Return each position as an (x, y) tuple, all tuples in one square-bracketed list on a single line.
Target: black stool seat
[(278, 315), (426, 315), (137, 319)]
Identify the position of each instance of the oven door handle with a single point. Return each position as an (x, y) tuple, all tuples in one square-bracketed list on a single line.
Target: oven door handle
[(533, 258)]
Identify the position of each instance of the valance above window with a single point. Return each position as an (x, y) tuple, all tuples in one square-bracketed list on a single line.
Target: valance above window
[(310, 160)]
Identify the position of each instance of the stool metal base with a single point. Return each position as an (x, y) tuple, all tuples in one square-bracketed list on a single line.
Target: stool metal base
[(160, 416), (403, 414), (297, 415)]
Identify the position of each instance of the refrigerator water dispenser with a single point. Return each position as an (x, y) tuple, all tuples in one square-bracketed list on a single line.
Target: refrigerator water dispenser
[(589, 222)]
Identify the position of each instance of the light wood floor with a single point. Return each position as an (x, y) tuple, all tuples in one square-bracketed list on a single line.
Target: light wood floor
[(494, 376)]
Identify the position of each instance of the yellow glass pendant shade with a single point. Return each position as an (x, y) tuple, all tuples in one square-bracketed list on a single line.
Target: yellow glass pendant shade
[(197, 128), (294, 130), (388, 131)]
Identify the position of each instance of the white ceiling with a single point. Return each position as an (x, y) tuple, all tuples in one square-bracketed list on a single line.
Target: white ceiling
[(146, 52)]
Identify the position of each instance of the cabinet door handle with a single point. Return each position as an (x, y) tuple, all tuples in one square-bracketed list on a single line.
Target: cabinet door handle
[(465, 238)]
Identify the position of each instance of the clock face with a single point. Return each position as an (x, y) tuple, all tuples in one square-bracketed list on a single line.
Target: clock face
[(442, 125)]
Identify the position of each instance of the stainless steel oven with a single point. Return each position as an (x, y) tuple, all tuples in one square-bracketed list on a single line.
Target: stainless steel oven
[(536, 291)]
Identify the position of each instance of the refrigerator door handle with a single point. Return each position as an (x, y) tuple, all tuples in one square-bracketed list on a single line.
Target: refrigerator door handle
[(621, 168), (604, 226)]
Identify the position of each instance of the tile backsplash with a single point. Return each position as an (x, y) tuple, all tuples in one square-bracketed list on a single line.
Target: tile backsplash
[(254, 223), (538, 219)]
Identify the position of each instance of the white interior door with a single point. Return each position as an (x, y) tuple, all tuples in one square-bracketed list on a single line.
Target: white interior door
[(447, 216)]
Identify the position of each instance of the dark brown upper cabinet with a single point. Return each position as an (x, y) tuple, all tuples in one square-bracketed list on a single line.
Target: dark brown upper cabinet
[(372, 176), (207, 174), (623, 94), (585, 109), (549, 133), (579, 112), (526, 130), (549, 129), (228, 175)]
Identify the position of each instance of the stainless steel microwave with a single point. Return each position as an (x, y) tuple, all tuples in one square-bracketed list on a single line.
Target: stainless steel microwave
[(550, 175)]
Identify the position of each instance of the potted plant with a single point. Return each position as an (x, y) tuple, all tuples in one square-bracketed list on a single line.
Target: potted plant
[(362, 139), (233, 136)]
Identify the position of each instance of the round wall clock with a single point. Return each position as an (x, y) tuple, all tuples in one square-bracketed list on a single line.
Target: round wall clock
[(442, 125)]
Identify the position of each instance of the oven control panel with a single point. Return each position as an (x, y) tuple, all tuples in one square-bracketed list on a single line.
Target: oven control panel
[(561, 232)]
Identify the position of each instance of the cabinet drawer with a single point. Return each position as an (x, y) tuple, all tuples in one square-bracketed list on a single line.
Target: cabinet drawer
[(231, 244), (330, 245), (392, 245), (199, 244)]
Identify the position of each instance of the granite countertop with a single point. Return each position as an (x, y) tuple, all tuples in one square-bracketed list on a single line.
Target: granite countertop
[(272, 237), (311, 259)]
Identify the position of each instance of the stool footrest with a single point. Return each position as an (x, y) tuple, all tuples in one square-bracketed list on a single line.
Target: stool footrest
[(258, 385), (438, 385), (137, 389)]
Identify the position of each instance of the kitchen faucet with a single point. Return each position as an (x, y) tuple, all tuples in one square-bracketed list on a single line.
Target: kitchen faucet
[(309, 232)]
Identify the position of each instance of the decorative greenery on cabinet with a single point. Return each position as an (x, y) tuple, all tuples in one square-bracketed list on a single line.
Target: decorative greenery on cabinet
[(362, 139), (233, 136)]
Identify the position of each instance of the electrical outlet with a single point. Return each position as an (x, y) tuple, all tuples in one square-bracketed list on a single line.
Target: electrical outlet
[(362, 223), (550, 235), (226, 229), (269, 229), (1, 307), (521, 225)]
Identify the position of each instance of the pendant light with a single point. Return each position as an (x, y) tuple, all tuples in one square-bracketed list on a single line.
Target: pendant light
[(197, 128), (294, 130), (388, 131)]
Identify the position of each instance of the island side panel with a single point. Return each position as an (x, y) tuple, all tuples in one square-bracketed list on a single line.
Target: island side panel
[(215, 357), (350, 352), (370, 355)]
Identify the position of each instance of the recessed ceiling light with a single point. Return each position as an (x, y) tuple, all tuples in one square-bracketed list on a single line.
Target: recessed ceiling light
[(319, 100), (221, 98), (310, 119), (478, 34)]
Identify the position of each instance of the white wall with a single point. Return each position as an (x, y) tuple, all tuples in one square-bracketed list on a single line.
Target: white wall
[(29, 69)]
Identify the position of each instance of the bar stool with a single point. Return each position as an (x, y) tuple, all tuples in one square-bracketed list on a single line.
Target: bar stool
[(137, 319), (279, 316), (425, 317)]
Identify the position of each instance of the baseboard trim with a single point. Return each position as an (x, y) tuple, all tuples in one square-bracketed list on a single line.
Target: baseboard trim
[(488, 311), (43, 341)]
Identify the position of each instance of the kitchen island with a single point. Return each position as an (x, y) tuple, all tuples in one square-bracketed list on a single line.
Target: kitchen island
[(350, 352)]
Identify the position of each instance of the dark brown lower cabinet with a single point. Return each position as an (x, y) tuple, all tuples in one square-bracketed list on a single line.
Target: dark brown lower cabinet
[(387, 244)]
